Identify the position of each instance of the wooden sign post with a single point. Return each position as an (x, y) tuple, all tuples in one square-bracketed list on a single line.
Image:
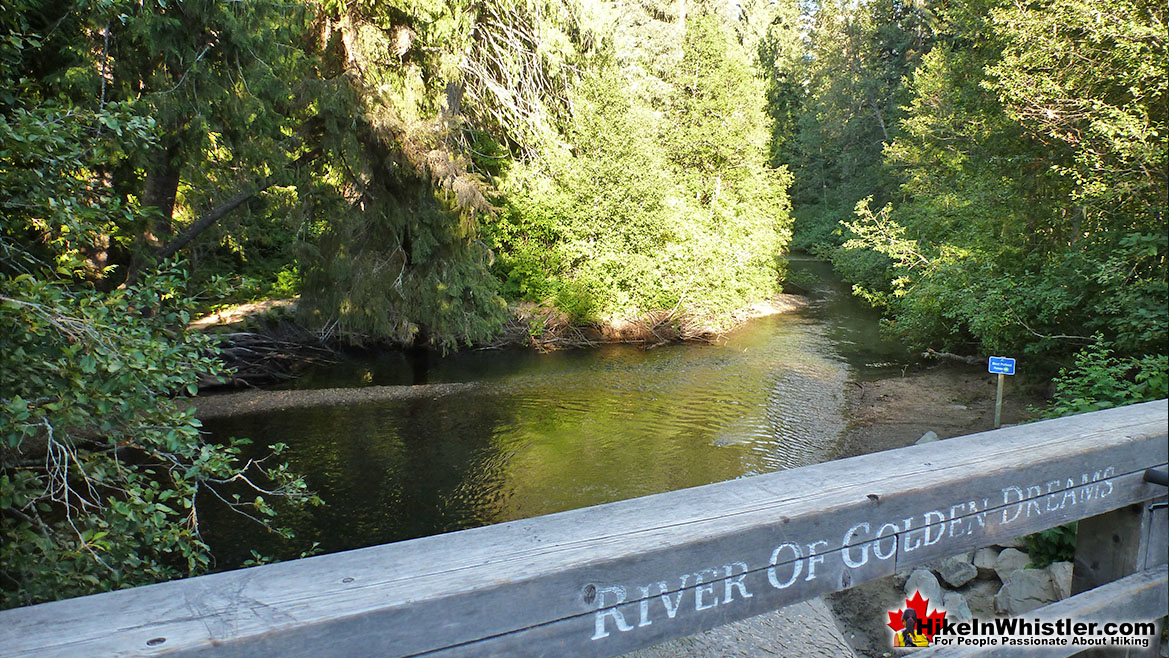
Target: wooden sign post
[(1002, 366)]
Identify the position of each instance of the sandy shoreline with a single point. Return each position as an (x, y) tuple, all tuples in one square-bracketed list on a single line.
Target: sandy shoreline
[(948, 399)]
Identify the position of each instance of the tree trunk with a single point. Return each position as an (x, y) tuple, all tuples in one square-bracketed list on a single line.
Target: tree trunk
[(880, 120), (199, 225), (162, 251), (160, 189)]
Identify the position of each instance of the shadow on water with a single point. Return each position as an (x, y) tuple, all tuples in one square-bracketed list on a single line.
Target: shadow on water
[(550, 432)]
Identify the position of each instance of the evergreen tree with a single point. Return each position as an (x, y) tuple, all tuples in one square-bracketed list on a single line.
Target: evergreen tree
[(1031, 218), (666, 201), (858, 57), (101, 472), (394, 253)]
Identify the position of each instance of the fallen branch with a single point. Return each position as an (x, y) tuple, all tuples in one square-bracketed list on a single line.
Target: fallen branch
[(255, 358), (930, 353)]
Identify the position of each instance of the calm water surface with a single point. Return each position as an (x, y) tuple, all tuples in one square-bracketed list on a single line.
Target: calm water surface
[(543, 433)]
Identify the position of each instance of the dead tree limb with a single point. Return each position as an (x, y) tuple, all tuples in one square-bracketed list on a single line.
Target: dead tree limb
[(930, 353)]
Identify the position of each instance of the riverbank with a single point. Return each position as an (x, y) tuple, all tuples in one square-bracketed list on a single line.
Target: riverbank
[(949, 400), (263, 342), (535, 325), (271, 321), (547, 328)]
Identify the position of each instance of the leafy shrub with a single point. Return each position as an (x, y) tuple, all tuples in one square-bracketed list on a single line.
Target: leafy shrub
[(1100, 380), (1052, 545), (102, 470)]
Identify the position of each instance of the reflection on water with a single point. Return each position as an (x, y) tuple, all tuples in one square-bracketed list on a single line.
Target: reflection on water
[(558, 431)]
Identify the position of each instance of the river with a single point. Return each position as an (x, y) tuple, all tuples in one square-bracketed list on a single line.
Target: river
[(543, 433)]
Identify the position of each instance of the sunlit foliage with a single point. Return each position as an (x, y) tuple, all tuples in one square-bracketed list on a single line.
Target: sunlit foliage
[(1023, 189)]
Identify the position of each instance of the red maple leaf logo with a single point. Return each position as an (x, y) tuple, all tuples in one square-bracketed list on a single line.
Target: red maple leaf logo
[(930, 623)]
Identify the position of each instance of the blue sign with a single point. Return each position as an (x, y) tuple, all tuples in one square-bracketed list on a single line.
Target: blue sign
[(1001, 365)]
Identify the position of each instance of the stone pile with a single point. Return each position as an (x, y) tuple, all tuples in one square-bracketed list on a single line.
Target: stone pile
[(993, 581), (996, 580)]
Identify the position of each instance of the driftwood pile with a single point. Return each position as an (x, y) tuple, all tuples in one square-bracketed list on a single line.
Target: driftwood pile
[(547, 328), (256, 358)]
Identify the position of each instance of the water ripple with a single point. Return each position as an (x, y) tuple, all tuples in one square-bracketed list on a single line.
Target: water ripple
[(554, 432)]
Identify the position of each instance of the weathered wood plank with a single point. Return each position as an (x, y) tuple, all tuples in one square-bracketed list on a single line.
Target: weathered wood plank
[(1114, 545), (623, 626), (1143, 596), (542, 586), (1156, 547)]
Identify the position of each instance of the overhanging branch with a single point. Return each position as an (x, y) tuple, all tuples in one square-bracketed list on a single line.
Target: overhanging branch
[(206, 221), (201, 224)]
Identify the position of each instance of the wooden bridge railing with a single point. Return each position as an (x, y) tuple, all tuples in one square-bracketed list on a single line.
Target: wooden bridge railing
[(608, 579)]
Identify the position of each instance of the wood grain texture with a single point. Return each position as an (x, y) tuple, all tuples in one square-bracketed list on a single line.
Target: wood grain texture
[(607, 579), (1112, 546)]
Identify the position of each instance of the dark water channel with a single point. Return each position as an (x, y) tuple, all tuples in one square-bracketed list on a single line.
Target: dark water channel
[(542, 433)]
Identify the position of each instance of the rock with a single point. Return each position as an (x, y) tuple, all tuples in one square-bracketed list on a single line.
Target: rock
[(929, 437), (980, 596), (1009, 561), (1017, 542), (1024, 591), (1061, 577), (957, 570), (984, 559), (924, 581), (956, 606), (901, 576)]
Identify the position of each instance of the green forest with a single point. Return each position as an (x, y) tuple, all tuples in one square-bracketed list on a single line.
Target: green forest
[(991, 175)]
